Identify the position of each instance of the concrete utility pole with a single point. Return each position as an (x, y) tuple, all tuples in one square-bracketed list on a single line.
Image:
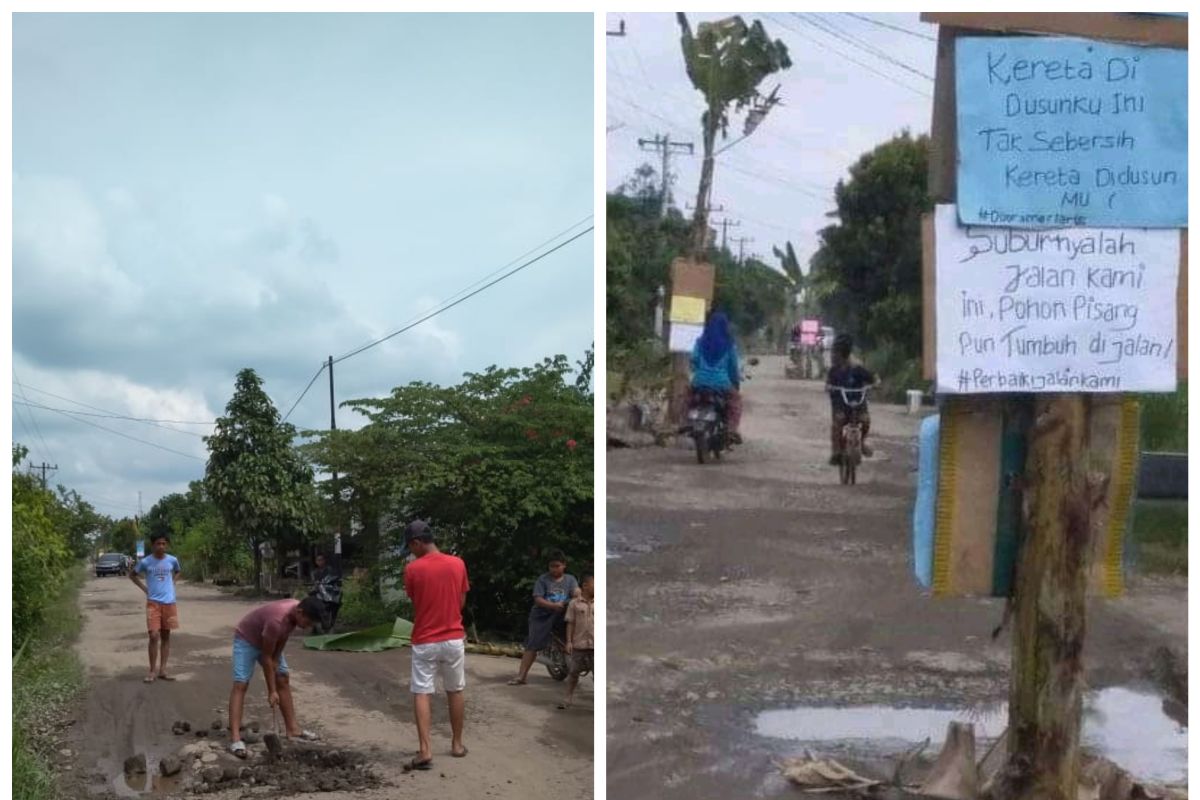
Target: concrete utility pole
[(663, 145), (726, 224), (43, 467), (741, 240), (332, 417)]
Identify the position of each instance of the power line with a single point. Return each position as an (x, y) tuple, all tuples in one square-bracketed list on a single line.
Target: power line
[(107, 416), (24, 427), (780, 181), (466, 297), (852, 59), (32, 416), (822, 24), (306, 388), (126, 436), (497, 271), (118, 415), (889, 26)]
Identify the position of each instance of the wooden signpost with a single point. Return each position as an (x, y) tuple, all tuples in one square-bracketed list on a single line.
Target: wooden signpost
[(692, 284), (1058, 489)]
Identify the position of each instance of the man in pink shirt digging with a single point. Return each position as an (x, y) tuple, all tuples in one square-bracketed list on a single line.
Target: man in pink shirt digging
[(260, 638)]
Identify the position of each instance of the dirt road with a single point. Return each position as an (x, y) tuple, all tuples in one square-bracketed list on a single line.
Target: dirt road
[(757, 608), (520, 745)]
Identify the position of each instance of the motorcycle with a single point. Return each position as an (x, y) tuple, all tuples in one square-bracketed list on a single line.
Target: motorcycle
[(555, 657), (707, 423), (852, 435), (329, 591)]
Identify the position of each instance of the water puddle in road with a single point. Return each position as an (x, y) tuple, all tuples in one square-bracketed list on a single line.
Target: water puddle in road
[(1128, 727)]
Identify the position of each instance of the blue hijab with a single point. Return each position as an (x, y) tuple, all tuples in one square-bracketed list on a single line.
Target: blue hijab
[(716, 340)]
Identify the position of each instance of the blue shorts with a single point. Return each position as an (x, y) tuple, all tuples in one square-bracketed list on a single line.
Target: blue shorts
[(245, 656)]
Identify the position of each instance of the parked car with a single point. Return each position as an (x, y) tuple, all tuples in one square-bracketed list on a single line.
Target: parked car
[(111, 564)]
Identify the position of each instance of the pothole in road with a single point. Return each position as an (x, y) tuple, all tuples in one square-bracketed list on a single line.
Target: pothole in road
[(206, 768), (1130, 728)]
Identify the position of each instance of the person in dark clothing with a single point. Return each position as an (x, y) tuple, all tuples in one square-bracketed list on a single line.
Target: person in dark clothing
[(848, 374), (327, 587)]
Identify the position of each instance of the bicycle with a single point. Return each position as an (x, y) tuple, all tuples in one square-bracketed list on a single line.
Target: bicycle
[(852, 434)]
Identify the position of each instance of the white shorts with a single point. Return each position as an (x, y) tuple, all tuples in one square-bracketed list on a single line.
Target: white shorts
[(447, 659)]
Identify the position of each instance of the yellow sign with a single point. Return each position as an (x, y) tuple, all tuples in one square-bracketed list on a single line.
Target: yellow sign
[(688, 309)]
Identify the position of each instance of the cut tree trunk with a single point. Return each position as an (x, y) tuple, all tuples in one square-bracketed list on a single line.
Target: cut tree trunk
[(1049, 623), (699, 242), (697, 246)]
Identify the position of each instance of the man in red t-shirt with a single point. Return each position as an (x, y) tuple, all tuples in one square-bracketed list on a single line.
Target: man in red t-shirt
[(437, 584)]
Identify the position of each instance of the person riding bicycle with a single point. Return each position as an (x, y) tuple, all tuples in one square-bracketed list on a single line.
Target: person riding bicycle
[(847, 373), (715, 367)]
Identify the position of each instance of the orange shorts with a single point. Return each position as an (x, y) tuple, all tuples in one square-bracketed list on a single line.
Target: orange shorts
[(161, 616)]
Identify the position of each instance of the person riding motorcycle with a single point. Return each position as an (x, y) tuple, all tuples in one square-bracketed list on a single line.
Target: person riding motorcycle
[(715, 367), (327, 587), (847, 373)]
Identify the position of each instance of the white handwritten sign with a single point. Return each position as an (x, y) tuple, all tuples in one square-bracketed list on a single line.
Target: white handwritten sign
[(1064, 310), (1055, 132)]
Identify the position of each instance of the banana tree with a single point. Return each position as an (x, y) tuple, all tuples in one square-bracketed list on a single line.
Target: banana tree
[(726, 61)]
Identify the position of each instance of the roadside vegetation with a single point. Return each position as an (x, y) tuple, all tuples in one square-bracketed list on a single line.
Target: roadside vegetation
[(47, 679)]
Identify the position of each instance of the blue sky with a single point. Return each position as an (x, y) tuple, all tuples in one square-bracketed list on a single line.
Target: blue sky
[(194, 194)]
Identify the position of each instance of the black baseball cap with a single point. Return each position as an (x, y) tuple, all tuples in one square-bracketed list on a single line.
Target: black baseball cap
[(416, 529)]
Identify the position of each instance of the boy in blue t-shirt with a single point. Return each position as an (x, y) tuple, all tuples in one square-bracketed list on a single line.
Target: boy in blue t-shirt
[(162, 616)]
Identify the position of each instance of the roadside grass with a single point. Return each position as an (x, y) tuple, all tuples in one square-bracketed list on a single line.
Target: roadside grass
[(1160, 536), (1164, 421), (47, 677)]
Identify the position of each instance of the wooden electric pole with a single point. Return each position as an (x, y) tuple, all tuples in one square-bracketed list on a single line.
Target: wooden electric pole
[(664, 146)]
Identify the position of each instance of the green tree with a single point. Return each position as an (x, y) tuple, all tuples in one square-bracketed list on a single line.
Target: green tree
[(726, 61), (79, 521), (121, 537), (501, 464), (255, 477), (866, 275), (40, 550)]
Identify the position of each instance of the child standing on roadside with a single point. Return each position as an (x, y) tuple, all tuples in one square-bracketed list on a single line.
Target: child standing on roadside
[(581, 641), (162, 616)]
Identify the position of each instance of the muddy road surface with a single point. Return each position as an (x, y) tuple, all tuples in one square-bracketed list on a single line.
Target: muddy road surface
[(520, 745), (758, 609)]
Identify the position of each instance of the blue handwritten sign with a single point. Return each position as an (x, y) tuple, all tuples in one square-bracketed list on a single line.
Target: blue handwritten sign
[(1060, 132)]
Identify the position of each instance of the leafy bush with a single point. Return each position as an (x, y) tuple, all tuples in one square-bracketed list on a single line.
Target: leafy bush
[(363, 605), (206, 552), (1164, 421), (898, 372), (643, 367), (40, 551)]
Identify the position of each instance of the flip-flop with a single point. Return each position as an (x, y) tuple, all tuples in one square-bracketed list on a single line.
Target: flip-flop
[(463, 754), (162, 677), (517, 682), (148, 679), (415, 763), (306, 736), (238, 748)]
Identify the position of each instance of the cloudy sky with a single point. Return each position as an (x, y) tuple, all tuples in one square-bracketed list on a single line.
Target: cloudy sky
[(853, 84), (194, 194)]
